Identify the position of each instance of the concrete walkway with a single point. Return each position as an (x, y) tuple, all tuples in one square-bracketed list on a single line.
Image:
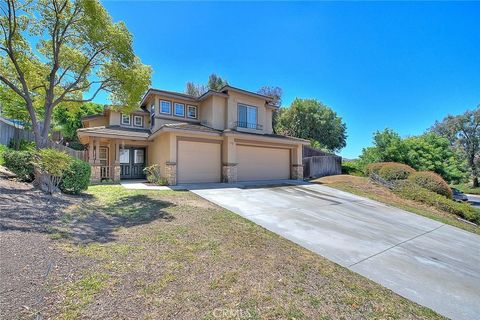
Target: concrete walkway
[(433, 264), (141, 185)]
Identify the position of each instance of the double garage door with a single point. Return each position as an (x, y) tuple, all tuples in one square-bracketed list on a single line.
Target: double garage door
[(201, 162)]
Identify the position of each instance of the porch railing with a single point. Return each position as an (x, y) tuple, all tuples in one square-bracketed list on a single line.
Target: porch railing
[(106, 172), (248, 125)]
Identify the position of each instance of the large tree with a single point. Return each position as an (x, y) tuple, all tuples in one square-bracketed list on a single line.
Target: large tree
[(215, 82), (429, 151), (310, 119), (273, 92), (463, 132), (55, 52)]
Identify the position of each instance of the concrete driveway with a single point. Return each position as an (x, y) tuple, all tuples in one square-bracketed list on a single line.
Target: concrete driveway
[(433, 264)]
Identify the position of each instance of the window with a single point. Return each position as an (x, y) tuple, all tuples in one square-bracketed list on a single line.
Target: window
[(192, 112), (103, 156), (124, 155), (179, 109), (152, 115), (165, 106), (138, 121), (138, 156), (126, 119), (247, 116)]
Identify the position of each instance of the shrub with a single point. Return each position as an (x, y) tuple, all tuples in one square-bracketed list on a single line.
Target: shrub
[(352, 168), (373, 168), (154, 176), (3, 149), (389, 170), (50, 165), (22, 145), (431, 181), (20, 163), (409, 190), (76, 178)]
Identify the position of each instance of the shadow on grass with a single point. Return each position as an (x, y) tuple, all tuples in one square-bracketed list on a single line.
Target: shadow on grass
[(80, 219)]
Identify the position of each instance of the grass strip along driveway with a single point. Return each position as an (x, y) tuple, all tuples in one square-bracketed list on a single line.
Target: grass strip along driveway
[(117, 253)]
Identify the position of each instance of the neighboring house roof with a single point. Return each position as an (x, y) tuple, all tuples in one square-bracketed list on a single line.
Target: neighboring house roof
[(12, 122)]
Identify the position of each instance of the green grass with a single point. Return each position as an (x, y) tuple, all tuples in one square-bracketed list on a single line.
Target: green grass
[(203, 259), (3, 148), (467, 188)]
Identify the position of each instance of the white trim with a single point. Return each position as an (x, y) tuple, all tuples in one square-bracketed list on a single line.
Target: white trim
[(175, 109), (141, 121), (196, 111), (129, 119), (160, 106)]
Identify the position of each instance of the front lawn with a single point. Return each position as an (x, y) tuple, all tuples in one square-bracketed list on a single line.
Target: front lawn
[(172, 255), (364, 187)]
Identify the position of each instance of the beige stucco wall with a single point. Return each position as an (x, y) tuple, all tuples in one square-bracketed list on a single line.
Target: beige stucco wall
[(115, 119), (97, 122)]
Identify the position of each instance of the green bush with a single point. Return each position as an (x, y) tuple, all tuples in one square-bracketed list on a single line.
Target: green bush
[(410, 190), (22, 145), (3, 149), (392, 171), (76, 178), (373, 168), (52, 161), (389, 171), (154, 176), (431, 181), (20, 163), (352, 168)]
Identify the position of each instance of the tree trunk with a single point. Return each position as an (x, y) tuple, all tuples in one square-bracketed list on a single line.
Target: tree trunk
[(475, 182), (46, 182)]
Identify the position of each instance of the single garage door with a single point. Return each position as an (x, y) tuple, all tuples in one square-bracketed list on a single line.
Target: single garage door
[(260, 163), (198, 162)]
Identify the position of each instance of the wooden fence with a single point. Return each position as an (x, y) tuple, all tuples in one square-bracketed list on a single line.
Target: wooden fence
[(317, 163), (9, 132)]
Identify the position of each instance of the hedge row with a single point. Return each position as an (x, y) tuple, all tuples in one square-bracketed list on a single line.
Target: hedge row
[(389, 171), (409, 190), (431, 181)]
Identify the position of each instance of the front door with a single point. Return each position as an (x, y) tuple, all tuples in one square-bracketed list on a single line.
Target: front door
[(132, 162)]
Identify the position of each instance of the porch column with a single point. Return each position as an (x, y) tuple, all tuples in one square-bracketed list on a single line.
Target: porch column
[(117, 152), (90, 150), (116, 164), (97, 151), (229, 159)]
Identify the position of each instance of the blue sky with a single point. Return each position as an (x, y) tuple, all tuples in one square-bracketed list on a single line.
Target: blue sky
[(377, 64)]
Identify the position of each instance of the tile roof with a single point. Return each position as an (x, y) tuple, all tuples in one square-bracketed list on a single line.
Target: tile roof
[(117, 131)]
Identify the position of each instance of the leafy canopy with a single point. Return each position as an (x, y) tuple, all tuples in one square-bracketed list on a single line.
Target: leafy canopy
[(66, 51), (427, 152), (463, 133), (310, 119), (68, 118), (215, 82)]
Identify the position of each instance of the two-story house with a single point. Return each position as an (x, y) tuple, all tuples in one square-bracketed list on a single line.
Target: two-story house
[(221, 136)]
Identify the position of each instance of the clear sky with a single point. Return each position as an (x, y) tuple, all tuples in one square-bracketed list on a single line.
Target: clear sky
[(377, 64)]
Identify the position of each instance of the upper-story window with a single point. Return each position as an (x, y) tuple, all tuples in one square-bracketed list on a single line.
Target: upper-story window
[(179, 109), (165, 106), (152, 115), (247, 116), (192, 112), (126, 119), (138, 121)]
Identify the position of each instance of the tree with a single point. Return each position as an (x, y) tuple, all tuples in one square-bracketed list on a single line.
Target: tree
[(56, 51), (12, 106), (387, 147), (214, 83), (310, 119), (273, 92), (463, 132), (432, 152), (427, 152), (68, 119)]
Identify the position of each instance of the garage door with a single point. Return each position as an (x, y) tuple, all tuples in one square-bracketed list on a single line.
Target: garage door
[(260, 163), (198, 162)]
